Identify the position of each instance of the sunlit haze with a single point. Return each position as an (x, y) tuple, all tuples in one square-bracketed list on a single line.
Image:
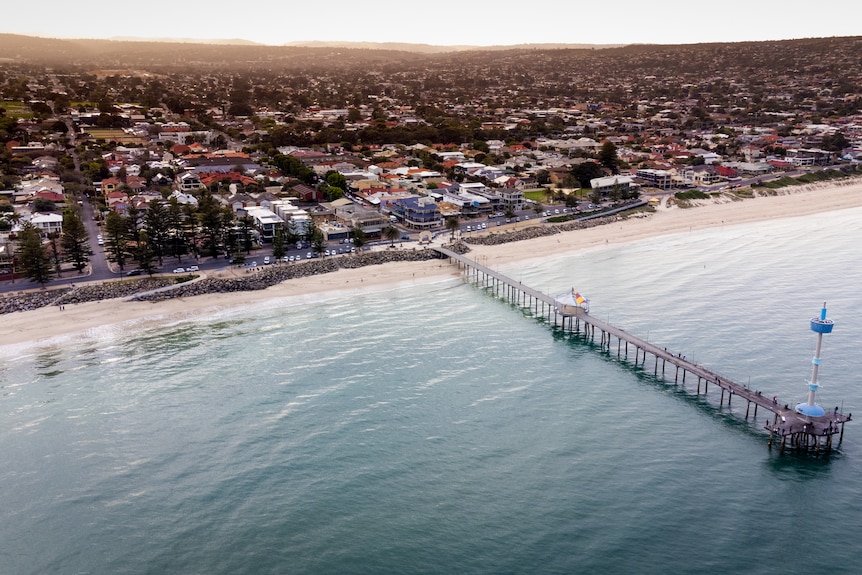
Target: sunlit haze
[(441, 23)]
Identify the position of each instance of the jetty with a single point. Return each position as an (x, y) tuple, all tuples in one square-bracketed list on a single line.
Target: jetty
[(788, 426)]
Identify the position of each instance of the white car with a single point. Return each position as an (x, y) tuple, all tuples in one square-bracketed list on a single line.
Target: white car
[(179, 270), (266, 260), (192, 269)]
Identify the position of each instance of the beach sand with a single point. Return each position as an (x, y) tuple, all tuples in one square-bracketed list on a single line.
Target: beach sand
[(50, 323)]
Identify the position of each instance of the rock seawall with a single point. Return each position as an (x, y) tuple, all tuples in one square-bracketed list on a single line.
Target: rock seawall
[(167, 287)]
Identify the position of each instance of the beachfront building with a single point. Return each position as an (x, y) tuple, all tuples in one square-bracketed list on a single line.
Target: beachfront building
[(662, 179), (612, 184), (355, 216), (295, 218), (266, 222), (418, 213), (468, 205)]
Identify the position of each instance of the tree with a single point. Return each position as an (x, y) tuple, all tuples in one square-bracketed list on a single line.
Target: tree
[(246, 225), (116, 238), (74, 241), (34, 261), (156, 224), (336, 179), (43, 205), (212, 222), (543, 177), (360, 238), (452, 224), (586, 171), (318, 242), (835, 143), (144, 252), (176, 238), (391, 233), (608, 157), (278, 247)]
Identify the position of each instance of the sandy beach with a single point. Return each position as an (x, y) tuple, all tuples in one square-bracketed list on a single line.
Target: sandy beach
[(51, 324)]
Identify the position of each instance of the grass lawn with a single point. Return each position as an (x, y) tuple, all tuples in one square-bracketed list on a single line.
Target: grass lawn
[(16, 109)]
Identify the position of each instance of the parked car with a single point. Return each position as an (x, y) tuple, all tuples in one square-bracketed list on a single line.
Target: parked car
[(266, 260), (134, 272), (192, 269), (179, 270)]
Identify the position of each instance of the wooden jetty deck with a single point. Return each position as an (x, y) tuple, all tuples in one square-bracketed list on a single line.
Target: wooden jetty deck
[(785, 426)]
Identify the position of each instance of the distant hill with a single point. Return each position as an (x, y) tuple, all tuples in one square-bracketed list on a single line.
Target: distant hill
[(434, 49), (218, 41)]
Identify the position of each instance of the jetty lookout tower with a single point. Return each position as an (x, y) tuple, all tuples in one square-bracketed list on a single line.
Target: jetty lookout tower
[(819, 325)]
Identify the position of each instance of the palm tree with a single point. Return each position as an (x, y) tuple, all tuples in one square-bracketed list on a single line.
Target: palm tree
[(452, 224), (391, 233)]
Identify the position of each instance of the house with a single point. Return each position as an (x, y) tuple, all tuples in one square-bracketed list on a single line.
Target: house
[(50, 195), (307, 193), (186, 182), (136, 184), (47, 223), (115, 199), (111, 185)]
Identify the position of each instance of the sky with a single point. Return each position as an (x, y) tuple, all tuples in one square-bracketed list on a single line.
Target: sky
[(441, 22)]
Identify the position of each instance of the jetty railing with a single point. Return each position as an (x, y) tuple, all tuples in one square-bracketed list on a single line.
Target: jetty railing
[(785, 426)]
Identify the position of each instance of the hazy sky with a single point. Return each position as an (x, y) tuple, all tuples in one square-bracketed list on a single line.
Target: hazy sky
[(442, 22)]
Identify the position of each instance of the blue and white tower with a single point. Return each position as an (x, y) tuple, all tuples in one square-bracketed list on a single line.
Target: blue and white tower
[(819, 325)]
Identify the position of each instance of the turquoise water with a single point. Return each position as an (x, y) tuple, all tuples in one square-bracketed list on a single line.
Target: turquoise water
[(432, 428)]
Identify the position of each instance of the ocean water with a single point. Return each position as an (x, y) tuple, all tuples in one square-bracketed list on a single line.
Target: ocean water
[(434, 428)]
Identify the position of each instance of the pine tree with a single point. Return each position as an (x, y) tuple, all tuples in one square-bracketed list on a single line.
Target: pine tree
[(74, 241), (34, 260)]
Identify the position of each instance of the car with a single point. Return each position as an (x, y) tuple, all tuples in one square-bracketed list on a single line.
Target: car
[(134, 272), (308, 256), (556, 211), (266, 260), (254, 264), (179, 270), (326, 252), (192, 269), (499, 222), (100, 241), (469, 229), (286, 259)]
